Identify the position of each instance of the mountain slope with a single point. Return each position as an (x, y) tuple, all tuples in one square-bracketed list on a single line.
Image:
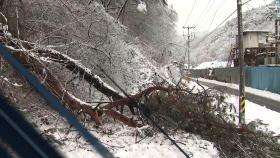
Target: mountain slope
[(217, 46)]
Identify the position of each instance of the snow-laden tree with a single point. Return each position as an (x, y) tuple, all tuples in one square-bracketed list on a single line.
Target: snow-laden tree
[(89, 31)]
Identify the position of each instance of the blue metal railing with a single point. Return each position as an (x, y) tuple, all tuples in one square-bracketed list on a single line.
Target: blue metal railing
[(21, 136), (262, 77), (55, 103)]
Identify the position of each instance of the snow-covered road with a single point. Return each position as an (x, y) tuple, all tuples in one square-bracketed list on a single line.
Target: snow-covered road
[(254, 111)]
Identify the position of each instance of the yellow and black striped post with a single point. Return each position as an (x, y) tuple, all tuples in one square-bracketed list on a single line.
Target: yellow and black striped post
[(241, 64), (242, 109)]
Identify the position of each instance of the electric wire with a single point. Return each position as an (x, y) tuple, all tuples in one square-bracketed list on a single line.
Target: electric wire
[(190, 13), (205, 11), (248, 4), (220, 24), (213, 16), (141, 109)]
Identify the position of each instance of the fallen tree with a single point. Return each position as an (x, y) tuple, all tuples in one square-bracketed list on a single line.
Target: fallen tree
[(204, 112), (24, 52)]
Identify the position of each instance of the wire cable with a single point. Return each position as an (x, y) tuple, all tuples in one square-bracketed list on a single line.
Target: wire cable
[(213, 16), (220, 24), (207, 35), (205, 11), (190, 13), (141, 109)]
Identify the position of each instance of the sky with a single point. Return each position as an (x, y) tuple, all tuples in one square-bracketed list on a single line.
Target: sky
[(207, 14)]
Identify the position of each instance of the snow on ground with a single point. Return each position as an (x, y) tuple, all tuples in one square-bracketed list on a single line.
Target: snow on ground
[(123, 143), (253, 111), (212, 64), (141, 7), (257, 112), (265, 94)]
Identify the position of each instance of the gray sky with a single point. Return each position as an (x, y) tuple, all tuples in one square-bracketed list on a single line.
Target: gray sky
[(207, 14)]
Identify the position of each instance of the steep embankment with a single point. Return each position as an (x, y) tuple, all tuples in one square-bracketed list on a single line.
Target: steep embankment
[(91, 34)]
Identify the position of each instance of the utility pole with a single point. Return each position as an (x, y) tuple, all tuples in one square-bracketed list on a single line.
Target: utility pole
[(276, 40), (190, 37), (276, 25), (277, 31), (241, 64)]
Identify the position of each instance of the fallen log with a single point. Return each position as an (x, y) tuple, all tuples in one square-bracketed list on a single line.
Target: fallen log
[(78, 68), (51, 82), (84, 72), (32, 62)]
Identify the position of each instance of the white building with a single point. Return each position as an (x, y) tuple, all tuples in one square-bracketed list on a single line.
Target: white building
[(254, 39)]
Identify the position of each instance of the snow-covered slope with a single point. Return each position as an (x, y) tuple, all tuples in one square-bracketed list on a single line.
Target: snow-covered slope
[(94, 37), (217, 46)]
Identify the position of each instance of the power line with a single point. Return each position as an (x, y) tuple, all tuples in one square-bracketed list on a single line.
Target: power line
[(141, 107), (213, 18), (206, 9), (220, 24), (207, 35), (213, 15), (250, 5), (190, 13)]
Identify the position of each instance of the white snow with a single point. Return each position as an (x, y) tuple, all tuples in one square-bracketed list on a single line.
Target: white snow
[(217, 46), (211, 64), (251, 90), (9, 82), (79, 64), (256, 112), (141, 7), (253, 111), (123, 145)]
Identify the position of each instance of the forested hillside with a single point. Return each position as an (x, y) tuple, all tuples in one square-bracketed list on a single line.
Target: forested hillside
[(114, 65), (127, 38), (217, 45)]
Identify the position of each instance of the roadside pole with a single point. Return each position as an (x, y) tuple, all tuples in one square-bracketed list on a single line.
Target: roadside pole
[(277, 32), (190, 37), (276, 39), (241, 64)]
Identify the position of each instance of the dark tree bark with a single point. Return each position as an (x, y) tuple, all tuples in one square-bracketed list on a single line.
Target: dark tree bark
[(85, 73), (51, 82)]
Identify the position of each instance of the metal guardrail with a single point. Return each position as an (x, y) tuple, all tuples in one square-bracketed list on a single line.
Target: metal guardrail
[(55, 103), (262, 77), (20, 136)]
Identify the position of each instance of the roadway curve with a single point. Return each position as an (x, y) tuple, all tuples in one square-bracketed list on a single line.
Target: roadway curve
[(272, 102)]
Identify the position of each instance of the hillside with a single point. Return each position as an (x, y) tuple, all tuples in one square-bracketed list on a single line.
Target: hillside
[(217, 46), (113, 64)]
